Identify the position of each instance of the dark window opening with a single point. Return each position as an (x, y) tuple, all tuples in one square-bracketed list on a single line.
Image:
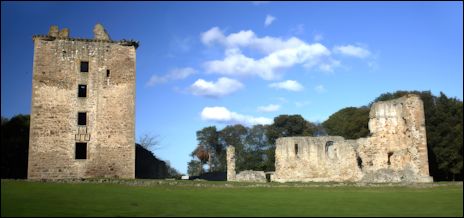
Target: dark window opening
[(389, 155), (327, 146), (81, 150), (82, 91), (296, 149), (107, 73), (84, 66), (360, 161), (82, 119)]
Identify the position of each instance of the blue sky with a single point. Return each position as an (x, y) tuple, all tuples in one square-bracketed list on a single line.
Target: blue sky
[(219, 63)]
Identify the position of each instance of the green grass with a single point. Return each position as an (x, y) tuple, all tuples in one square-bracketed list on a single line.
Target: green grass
[(188, 198)]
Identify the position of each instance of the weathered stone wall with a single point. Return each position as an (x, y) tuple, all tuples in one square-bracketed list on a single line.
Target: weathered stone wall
[(395, 152), (230, 153), (109, 104), (329, 158)]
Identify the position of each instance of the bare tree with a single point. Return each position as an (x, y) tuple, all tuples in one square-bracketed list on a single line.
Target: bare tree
[(150, 142)]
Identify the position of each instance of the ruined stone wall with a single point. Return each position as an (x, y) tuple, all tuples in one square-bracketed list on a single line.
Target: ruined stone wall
[(329, 158), (230, 152), (396, 151), (110, 104), (397, 148)]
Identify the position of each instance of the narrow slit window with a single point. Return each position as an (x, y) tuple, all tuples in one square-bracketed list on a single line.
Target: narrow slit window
[(107, 73), (389, 155), (84, 66), (82, 119), (81, 150), (296, 149), (82, 91)]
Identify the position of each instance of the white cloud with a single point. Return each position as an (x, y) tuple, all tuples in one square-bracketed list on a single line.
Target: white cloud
[(223, 86), (223, 115), (269, 108), (290, 85), (212, 35), (351, 50), (175, 74), (279, 54), (320, 89), (269, 20)]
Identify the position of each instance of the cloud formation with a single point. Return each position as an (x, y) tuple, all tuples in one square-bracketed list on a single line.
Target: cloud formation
[(175, 74), (269, 20), (351, 50), (290, 85), (269, 108), (223, 86), (223, 115), (279, 54)]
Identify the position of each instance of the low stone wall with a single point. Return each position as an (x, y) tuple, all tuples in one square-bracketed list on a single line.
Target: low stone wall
[(251, 176)]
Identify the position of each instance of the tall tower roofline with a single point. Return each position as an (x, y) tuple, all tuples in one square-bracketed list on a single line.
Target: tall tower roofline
[(100, 35)]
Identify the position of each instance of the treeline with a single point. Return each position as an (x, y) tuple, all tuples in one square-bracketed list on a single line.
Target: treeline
[(255, 146), (15, 147)]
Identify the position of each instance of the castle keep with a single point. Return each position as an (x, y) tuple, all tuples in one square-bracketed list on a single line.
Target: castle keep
[(396, 150), (82, 112)]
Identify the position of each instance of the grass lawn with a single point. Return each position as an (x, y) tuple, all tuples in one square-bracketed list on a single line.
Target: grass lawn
[(189, 198)]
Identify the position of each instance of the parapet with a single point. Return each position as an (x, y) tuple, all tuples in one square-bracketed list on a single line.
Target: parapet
[(100, 35)]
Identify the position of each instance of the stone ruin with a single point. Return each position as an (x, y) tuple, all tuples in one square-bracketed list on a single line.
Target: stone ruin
[(83, 106), (243, 176), (395, 151)]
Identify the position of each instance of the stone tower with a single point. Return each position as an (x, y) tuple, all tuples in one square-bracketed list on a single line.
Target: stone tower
[(82, 112)]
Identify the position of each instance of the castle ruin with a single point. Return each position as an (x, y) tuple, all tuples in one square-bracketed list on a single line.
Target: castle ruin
[(82, 112), (396, 151)]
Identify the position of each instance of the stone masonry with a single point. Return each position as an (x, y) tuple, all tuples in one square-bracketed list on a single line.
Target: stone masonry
[(230, 152), (101, 143), (396, 151)]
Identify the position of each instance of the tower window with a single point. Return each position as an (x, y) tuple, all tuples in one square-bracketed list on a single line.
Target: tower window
[(82, 118), (82, 91), (84, 66), (389, 155), (107, 73), (296, 150), (81, 150)]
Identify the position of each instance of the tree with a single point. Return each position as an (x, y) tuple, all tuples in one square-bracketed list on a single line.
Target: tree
[(446, 136), (149, 142), (15, 146), (234, 135), (289, 125), (350, 122), (256, 147), (195, 168), (208, 139)]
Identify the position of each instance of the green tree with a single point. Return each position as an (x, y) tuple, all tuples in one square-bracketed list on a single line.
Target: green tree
[(446, 136), (350, 122), (208, 139), (289, 125), (234, 135), (194, 168), (256, 145), (15, 146)]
